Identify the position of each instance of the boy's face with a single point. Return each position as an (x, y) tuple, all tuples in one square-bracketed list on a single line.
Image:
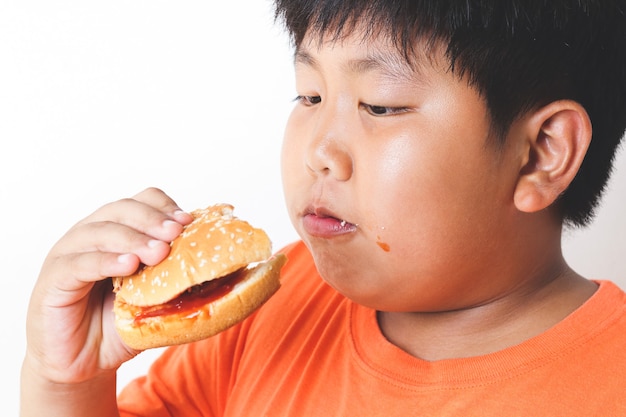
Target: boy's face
[(391, 181)]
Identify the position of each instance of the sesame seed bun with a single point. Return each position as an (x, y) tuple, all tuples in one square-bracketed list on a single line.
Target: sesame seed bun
[(203, 287)]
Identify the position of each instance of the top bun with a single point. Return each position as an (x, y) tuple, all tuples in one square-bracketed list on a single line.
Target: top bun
[(215, 244)]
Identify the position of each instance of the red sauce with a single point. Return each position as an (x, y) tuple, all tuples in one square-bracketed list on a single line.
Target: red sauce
[(384, 246), (193, 299)]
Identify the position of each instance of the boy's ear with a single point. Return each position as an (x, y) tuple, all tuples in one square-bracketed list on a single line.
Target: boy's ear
[(557, 137)]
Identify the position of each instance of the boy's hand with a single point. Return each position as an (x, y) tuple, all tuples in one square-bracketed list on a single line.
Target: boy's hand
[(70, 330)]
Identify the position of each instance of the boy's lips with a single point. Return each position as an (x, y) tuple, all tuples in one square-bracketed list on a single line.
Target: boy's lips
[(320, 224)]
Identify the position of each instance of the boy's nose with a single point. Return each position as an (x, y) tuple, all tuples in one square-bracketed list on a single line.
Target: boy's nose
[(328, 150)]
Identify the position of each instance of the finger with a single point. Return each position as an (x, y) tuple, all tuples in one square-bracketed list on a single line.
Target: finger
[(118, 238), (73, 272), (142, 217), (156, 198)]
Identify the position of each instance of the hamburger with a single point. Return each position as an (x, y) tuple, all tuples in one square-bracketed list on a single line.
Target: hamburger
[(219, 271)]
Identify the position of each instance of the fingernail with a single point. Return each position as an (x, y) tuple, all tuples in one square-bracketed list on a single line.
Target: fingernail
[(153, 243), (181, 215), (124, 259), (169, 223)]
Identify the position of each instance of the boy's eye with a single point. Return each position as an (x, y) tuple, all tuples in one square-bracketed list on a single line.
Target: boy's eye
[(308, 100), (383, 111), (372, 109), (378, 109)]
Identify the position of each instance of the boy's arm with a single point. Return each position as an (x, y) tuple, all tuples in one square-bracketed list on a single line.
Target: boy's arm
[(73, 350), (42, 397)]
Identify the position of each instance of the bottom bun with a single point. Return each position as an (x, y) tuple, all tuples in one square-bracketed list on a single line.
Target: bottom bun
[(247, 295)]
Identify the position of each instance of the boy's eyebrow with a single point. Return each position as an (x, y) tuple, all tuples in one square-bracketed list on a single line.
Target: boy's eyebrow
[(389, 64), (303, 57)]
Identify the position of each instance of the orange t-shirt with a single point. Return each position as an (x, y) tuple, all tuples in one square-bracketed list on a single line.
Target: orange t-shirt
[(309, 351)]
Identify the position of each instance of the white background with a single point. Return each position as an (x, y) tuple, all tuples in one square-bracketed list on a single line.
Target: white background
[(99, 100)]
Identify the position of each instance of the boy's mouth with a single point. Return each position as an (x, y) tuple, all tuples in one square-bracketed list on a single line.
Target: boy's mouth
[(320, 223)]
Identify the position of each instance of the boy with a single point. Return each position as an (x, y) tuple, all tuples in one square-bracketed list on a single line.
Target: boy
[(434, 154)]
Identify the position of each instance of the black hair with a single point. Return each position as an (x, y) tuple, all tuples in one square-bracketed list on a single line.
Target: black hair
[(518, 54)]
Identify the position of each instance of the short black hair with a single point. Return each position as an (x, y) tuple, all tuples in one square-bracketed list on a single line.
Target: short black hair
[(518, 54)]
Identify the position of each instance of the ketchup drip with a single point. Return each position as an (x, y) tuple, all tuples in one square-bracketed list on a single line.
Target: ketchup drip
[(194, 298)]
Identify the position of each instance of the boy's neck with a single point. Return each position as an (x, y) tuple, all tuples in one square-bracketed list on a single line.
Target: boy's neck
[(490, 327)]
